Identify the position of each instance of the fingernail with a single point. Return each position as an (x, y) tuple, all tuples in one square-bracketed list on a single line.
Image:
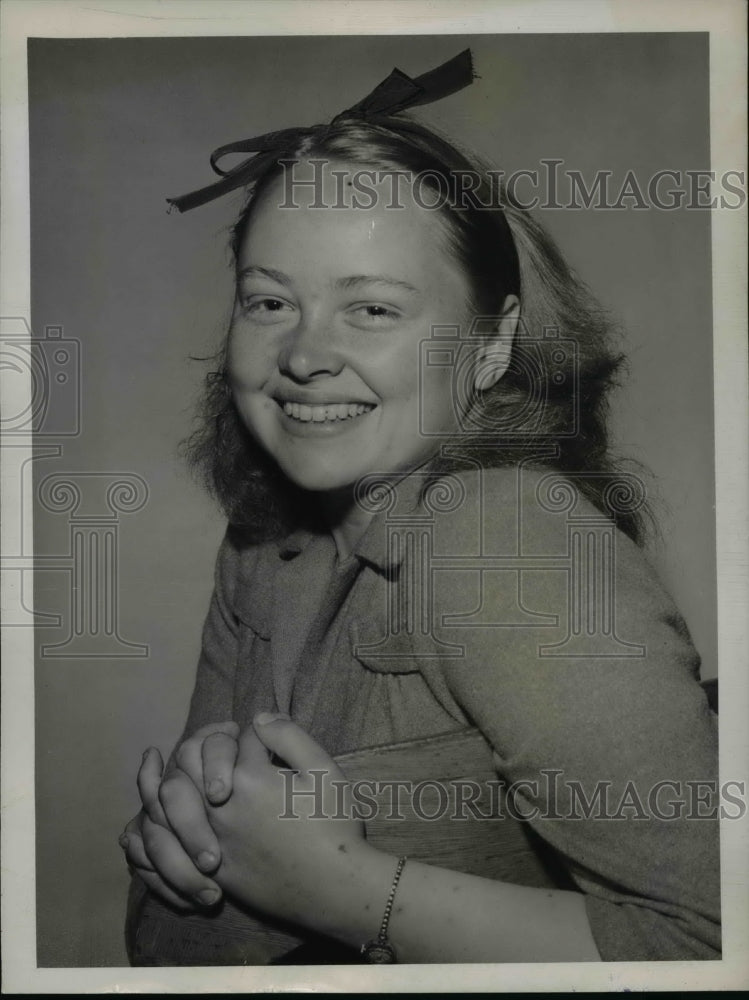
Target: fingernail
[(145, 754), (215, 787), (207, 862), (208, 896), (263, 718), (123, 841)]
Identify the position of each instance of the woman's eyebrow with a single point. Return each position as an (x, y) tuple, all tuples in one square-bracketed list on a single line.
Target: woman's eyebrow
[(350, 281), (355, 280), (266, 272)]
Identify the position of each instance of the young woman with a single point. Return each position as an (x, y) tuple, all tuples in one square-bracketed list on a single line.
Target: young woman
[(431, 572)]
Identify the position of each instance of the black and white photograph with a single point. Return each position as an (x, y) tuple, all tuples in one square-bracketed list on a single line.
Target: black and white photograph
[(374, 487)]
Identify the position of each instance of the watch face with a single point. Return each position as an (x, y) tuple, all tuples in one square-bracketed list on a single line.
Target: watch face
[(378, 953)]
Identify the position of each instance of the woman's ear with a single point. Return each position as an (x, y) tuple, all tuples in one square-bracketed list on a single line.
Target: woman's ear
[(494, 357)]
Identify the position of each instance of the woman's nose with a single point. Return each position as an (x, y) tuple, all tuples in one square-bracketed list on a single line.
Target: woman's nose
[(309, 352)]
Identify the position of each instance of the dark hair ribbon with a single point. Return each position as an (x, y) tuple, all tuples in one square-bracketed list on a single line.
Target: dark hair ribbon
[(395, 93)]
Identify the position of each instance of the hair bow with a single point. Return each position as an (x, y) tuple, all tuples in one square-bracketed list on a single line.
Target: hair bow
[(397, 92)]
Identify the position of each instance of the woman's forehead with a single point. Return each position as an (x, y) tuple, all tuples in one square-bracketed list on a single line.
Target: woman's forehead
[(317, 181), (333, 208)]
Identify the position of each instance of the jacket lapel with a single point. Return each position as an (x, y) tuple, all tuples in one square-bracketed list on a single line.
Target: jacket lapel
[(294, 606)]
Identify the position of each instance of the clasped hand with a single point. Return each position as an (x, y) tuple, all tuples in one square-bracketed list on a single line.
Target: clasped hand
[(219, 819)]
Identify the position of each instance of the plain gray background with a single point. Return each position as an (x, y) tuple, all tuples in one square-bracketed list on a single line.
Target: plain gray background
[(116, 126)]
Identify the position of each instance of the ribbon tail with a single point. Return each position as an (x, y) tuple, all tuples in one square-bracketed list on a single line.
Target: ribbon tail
[(446, 79), (395, 93), (398, 91), (242, 175), (195, 199)]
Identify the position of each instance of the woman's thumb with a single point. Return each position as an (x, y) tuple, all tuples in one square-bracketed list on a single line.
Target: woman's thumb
[(288, 741)]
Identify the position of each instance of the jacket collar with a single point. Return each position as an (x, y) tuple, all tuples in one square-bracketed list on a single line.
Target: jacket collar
[(377, 546)]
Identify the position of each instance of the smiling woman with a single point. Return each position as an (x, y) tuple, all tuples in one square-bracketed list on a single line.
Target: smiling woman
[(431, 560)]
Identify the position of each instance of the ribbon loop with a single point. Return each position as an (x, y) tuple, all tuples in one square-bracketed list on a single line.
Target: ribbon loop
[(260, 144)]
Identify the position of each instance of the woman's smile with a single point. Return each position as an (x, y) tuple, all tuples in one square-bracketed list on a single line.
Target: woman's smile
[(323, 417), (325, 411)]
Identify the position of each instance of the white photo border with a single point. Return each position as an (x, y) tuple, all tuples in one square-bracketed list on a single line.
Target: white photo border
[(724, 20)]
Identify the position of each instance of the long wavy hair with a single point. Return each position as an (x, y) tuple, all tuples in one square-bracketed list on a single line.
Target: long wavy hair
[(550, 408)]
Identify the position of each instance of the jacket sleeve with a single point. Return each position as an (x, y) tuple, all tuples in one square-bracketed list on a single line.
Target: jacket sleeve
[(609, 747), (212, 696), (211, 701)]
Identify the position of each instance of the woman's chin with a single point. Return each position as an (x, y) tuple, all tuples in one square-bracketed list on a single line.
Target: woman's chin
[(318, 478)]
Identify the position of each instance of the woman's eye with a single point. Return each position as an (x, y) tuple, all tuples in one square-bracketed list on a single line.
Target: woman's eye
[(265, 309), (372, 313)]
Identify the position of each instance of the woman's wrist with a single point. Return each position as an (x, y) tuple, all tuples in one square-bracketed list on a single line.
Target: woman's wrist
[(440, 915), (353, 901)]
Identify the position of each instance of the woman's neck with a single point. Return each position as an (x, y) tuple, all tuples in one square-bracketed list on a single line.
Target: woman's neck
[(346, 519)]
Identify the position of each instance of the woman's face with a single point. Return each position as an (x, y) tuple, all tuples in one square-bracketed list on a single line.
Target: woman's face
[(324, 352)]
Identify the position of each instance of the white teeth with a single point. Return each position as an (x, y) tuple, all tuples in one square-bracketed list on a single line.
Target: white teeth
[(321, 414)]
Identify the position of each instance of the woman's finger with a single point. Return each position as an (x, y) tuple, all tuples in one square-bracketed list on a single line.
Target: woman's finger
[(132, 844), (189, 755), (157, 885), (289, 742), (252, 751), (149, 779), (138, 861), (169, 859), (220, 752), (184, 809), (134, 825)]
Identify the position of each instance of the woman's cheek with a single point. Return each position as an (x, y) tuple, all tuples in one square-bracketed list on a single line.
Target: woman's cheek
[(250, 358), (257, 412)]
